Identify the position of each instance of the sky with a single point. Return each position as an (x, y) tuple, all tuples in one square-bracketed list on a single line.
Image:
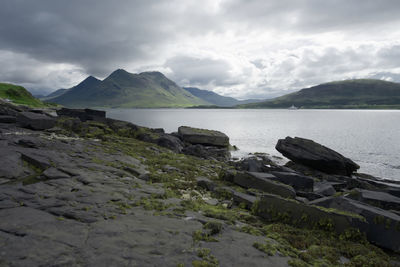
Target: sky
[(238, 48)]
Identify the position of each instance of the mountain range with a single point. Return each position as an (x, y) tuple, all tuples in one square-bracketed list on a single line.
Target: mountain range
[(143, 90), (358, 93), (153, 89), (124, 89)]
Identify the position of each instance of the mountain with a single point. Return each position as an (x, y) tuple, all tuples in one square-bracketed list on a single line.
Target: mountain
[(216, 99), (55, 94), (128, 90), (19, 95), (359, 93)]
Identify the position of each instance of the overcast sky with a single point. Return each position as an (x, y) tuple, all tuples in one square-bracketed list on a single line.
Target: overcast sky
[(240, 48)]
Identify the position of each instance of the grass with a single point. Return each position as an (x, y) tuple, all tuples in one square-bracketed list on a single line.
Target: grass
[(19, 95)]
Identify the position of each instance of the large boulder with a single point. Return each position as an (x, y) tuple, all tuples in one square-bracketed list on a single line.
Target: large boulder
[(314, 155), (203, 136), (263, 182), (383, 227), (83, 114), (35, 121)]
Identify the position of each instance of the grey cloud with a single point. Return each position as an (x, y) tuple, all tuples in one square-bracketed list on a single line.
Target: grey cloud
[(47, 43), (199, 71), (313, 15)]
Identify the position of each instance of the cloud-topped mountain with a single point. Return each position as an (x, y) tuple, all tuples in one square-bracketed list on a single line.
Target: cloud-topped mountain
[(124, 89)]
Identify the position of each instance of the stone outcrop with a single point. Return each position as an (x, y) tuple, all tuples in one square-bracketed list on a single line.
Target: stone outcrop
[(275, 208), (203, 137), (263, 182), (83, 114), (35, 121), (314, 155), (383, 227)]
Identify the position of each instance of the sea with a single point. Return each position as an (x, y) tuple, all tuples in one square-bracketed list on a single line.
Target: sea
[(371, 138)]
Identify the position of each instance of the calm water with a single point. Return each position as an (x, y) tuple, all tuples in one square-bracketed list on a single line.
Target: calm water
[(369, 137)]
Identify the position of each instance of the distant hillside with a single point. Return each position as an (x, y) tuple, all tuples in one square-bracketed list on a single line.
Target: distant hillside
[(127, 90), (361, 93), (216, 99), (19, 95), (55, 94)]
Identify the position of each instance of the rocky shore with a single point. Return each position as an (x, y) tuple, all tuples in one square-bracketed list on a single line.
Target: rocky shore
[(80, 189)]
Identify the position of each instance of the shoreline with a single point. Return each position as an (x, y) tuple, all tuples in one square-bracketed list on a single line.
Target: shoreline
[(83, 184)]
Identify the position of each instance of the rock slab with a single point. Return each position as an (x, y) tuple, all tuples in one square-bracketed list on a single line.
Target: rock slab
[(203, 136), (316, 156)]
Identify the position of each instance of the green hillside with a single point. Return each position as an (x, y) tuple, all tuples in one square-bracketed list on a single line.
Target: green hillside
[(19, 95), (128, 90), (217, 100), (360, 93)]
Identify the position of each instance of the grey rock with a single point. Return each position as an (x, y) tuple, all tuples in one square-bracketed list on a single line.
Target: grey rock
[(383, 226), (324, 188), (83, 114), (35, 121), (205, 183), (228, 175), (7, 119), (203, 136), (379, 199), (170, 142), (11, 166), (263, 182), (272, 208), (297, 181), (54, 173), (314, 155), (309, 195), (35, 157), (207, 152)]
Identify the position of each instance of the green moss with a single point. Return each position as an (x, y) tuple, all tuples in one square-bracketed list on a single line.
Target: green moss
[(200, 235), (214, 227), (151, 204)]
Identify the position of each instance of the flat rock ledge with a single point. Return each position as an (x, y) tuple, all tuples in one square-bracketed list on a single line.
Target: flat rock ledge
[(86, 190)]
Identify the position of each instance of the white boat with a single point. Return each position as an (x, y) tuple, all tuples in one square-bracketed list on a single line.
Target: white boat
[(293, 107)]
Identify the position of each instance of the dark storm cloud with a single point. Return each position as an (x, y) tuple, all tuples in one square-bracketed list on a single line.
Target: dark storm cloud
[(238, 45)]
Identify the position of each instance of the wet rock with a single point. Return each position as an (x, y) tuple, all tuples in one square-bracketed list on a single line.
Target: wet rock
[(83, 114), (7, 119), (170, 142), (203, 136), (297, 181), (383, 227), (379, 199), (35, 121), (275, 208), (312, 154), (324, 188), (263, 182)]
